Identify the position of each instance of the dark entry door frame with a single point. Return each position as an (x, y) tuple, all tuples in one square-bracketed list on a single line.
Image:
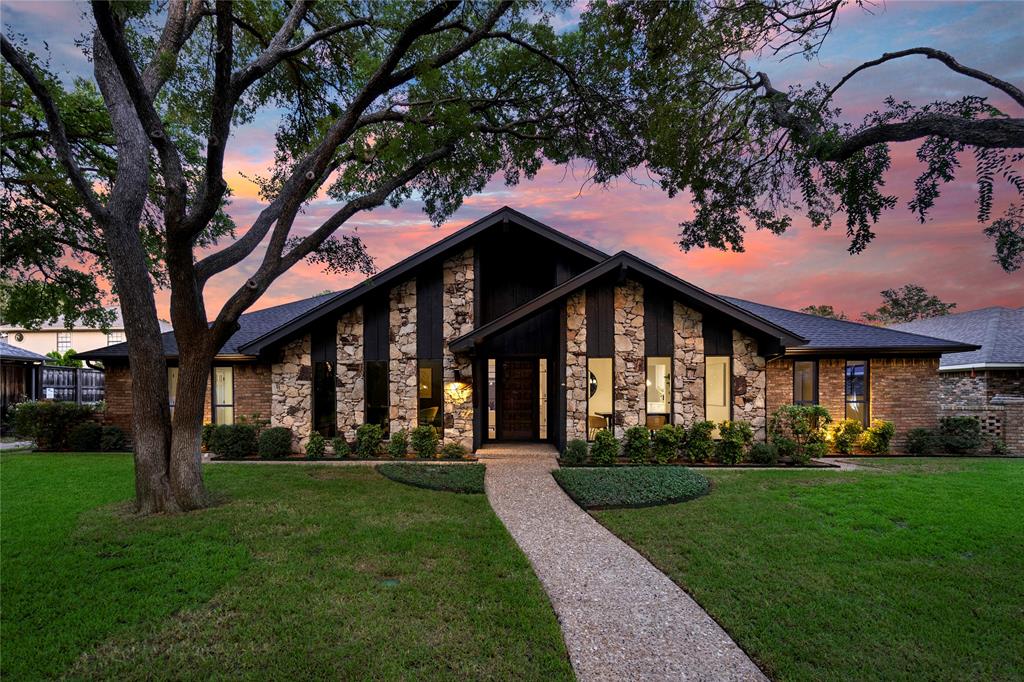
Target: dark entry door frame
[(517, 399)]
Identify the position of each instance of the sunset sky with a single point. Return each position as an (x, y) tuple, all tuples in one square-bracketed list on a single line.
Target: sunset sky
[(948, 254)]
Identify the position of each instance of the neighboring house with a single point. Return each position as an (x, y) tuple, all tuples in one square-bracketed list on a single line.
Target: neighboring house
[(19, 372), (996, 368), (54, 335), (511, 330)]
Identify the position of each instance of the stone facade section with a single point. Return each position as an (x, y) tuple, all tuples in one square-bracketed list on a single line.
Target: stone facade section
[(292, 388), (749, 383), (458, 280), (630, 357), (687, 365), (350, 388), (403, 398), (576, 384)]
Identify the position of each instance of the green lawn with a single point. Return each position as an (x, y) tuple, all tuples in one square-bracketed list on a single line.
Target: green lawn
[(299, 572), (913, 570)]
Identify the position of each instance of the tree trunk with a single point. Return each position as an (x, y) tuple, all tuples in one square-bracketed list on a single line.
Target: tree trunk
[(194, 366)]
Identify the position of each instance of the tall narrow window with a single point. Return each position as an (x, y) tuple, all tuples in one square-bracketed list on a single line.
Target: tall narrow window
[(542, 399), (659, 392), (492, 391), (805, 382), (717, 388), (377, 392), (63, 342), (857, 390), (172, 386), (324, 341), (223, 395), (601, 396), (431, 395)]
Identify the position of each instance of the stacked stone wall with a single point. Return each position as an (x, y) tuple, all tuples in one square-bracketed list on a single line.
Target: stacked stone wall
[(576, 384), (350, 386), (748, 384), (687, 365), (458, 280), (292, 391), (403, 397), (630, 358)]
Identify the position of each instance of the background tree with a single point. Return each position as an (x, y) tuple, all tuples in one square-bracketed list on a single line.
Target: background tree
[(824, 311), (65, 359), (906, 304)]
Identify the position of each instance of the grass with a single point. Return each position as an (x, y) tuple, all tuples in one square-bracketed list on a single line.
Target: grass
[(456, 478), (635, 486), (298, 572), (911, 570)]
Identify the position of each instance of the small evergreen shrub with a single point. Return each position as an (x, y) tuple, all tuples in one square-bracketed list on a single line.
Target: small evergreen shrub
[(317, 446), (113, 439), (637, 444), (734, 439), (275, 442), (207, 435), (877, 439), (814, 451), (48, 423), (256, 421), (424, 441), (665, 444), (764, 453), (605, 448), (454, 451), (800, 423), (700, 446), (845, 435), (789, 450), (85, 437), (341, 447), (368, 440), (996, 447), (575, 452), (922, 442), (234, 441), (961, 435), (398, 444)]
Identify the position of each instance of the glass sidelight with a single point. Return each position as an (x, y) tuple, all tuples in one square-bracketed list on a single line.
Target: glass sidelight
[(717, 388)]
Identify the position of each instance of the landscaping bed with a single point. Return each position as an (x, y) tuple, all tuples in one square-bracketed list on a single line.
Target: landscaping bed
[(606, 488), (468, 478), (366, 460)]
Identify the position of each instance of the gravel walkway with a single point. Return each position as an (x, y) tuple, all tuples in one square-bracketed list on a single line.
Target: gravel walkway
[(622, 618)]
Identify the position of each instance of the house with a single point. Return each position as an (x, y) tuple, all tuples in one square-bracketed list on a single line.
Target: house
[(511, 330), (19, 372), (55, 335)]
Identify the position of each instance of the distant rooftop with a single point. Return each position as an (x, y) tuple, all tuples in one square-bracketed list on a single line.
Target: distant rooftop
[(999, 331), (58, 324), (9, 352)]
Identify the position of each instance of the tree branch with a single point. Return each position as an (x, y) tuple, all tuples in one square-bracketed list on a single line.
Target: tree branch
[(182, 19)]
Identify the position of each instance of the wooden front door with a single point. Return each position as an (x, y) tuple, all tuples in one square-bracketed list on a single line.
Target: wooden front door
[(517, 399)]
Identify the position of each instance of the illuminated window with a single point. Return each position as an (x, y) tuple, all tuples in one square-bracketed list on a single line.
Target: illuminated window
[(857, 390), (431, 394), (600, 392), (659, 391), (805, 382), (223, 395), (492, 387), (115, 337), (542, 399), (717, 388), (172, 386), (63, 342)]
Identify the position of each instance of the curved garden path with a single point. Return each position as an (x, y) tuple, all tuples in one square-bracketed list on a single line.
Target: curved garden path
[(621, 617)]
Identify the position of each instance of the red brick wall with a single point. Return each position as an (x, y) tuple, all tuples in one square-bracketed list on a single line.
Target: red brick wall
[(779, 391), (252, 390), (118, 395), (832, 386)]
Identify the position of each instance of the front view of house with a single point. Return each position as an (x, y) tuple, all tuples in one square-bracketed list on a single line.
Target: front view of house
[(509, 330)]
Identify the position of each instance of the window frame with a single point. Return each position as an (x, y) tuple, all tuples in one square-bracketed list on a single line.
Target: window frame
[(866, 401), (669, 395), (816, 399), (213, 394), (172, 386), (113, 342), (436, 365), (386, 421), (611, 422), (63, 337), (728, 386)]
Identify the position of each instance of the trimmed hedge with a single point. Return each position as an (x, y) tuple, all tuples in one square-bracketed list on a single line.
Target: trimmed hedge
[(630, 486), (576, 452), (275, 442), (48, 423), (113, 439), (456, 478), (85, 437), (233, 441)]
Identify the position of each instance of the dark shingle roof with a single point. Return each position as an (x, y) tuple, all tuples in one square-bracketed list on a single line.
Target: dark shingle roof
[(826, 334), (999, 331), (251, 326), (9, 352)]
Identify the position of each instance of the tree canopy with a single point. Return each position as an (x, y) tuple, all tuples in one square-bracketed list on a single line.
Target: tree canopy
[(906, 304)]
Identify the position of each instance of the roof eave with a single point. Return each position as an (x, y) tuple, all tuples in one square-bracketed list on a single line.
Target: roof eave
[(875, 350)]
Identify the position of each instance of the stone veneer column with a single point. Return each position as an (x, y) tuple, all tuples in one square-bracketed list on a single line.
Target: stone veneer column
[(576, 384), (748, 384), (630, 370), (291, 378), (403, 398), (351, 394), (458, 279), (687, 365)]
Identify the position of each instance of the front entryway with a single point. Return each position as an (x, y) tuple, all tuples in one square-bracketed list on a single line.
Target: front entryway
[(517, 389)]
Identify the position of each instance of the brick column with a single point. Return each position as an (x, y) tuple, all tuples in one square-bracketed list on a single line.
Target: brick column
[(576, 384), (687, 365), (351, 394), (403, 400), (458, 279), (630, 369)]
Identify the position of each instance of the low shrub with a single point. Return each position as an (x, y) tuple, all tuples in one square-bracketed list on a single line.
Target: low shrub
[(789, 450), (207, 435), (877, 438), (456, 478), (48, 423), (700, 446), (454, 451), (734, 439), (665, 444), (630, 486), (961, 435), (341, 447), (922, 441), (316, 446), (368, 440), (113, 439), (801, 423), (575, 452), (398, 444), (845, 435), (764, 453), (234, 441), (256, 421), (274, 442), (605, 448), (85, 437), (814, 451), (424, 441), (996, 447), (637, 444)]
